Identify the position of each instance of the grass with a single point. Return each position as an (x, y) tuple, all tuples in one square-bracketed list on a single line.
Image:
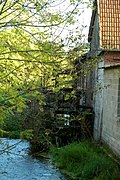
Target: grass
[(86, 161)]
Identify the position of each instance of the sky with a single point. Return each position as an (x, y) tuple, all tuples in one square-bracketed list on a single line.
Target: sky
[(82, 19), (86, 18)]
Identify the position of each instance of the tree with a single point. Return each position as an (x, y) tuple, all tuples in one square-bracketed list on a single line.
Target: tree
[(33, 53), (36, 52)]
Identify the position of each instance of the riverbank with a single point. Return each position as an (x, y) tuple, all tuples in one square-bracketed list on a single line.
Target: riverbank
[(85, 161), (17, 164), (9, 134), (26, 134)]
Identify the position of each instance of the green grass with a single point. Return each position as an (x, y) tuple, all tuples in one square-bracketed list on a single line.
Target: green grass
[(86, 161)]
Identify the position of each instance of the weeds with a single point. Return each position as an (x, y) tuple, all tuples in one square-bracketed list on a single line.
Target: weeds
[(86, 161)]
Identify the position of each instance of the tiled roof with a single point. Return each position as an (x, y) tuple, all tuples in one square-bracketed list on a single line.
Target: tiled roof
[(109, 23)]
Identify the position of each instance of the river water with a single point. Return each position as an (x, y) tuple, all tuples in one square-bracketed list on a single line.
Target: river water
[(16, 164)]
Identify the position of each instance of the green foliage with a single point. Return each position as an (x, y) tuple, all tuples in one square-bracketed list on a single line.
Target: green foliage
[(33, 53), (13, 134), (9, 134), (3, 133), (41, 127), (13, 122), (27, 134), (34, 56), (12, 126), (86, 161)]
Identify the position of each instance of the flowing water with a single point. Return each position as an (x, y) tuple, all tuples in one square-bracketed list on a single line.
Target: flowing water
[(16, 164)]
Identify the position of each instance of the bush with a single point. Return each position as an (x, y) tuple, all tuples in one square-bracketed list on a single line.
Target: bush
[(3, 133), (13, 122), (9, 134), (11, 126), (85, 160)]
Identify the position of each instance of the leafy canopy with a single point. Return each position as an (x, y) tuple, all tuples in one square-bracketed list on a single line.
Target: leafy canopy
[(34, 51)]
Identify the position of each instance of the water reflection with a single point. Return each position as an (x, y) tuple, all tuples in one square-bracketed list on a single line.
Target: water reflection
[(16, 164)]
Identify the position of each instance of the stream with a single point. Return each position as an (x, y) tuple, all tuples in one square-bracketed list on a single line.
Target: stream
[(16, 164)]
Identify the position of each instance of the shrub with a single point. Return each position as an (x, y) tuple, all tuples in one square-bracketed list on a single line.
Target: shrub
[(9, 134), (13, 122), (3, 133)]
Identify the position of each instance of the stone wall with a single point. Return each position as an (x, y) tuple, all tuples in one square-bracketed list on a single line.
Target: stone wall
[(98, 99), (107, 101), (105, 84), (111, 121)]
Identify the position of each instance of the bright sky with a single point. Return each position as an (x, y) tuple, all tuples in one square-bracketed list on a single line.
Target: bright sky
[(86, 18), (83, 18)]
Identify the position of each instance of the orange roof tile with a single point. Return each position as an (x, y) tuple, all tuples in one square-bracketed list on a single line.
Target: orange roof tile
[(109, 23)]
